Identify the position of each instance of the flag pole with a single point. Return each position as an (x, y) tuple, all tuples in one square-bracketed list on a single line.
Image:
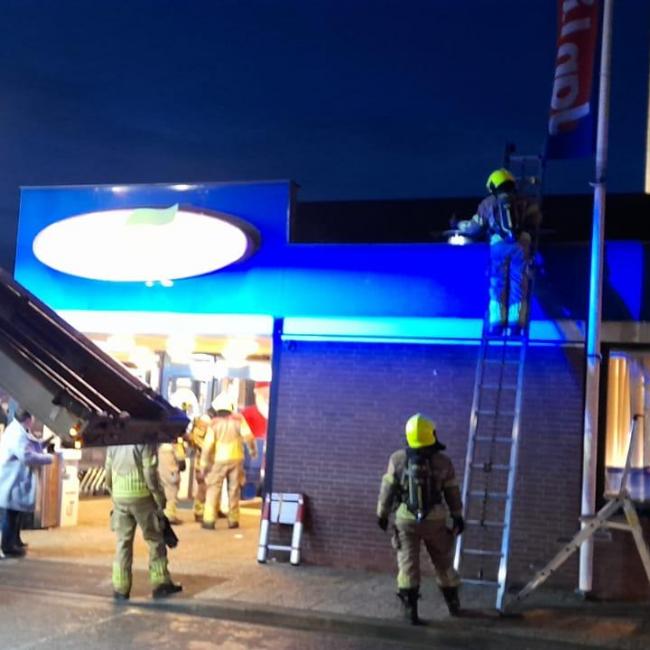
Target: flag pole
[(592, 384)]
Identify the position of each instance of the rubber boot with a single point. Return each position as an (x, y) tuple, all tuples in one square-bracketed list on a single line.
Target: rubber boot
[(451, 598), (409, 598)]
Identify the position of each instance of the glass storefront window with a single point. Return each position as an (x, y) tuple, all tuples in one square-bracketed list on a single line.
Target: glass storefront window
[(628, 393)]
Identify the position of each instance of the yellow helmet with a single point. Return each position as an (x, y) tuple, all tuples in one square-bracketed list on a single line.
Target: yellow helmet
[(420, 431), (497, 178)]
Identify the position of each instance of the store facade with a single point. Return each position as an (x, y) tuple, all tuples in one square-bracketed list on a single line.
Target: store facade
[(354, 338)]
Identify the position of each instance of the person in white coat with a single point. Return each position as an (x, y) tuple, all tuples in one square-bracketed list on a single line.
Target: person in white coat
[(19, 454)]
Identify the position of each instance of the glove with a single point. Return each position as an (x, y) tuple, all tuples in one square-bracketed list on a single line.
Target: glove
[(169, 536), (182, 465), (382, 522), (459, 524)]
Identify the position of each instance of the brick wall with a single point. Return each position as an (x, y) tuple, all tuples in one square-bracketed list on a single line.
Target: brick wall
[(342, 409)]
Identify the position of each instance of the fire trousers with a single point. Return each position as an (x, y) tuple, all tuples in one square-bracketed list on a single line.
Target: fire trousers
[(439, 542), (126, 516), (233, 472), (509, 266)]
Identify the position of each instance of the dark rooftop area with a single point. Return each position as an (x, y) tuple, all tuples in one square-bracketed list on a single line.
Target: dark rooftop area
[(567, 218)]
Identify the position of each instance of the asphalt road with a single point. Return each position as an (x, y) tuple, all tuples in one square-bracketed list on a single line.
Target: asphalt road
[(55, 620)]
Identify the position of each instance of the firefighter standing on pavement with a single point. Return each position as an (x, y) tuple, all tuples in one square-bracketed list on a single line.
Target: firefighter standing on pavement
[(420, 486), (138, 500), (510, 221), (222, 458), (200, 427), (171, 462)]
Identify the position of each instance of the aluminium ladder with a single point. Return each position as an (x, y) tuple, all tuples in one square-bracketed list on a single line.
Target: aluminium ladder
[(528, 171), (483, 551)]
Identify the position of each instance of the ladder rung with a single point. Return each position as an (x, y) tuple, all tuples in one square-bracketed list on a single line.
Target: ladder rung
[(277, 547), (486, 523), (500, 439), (477, 581), (494, 466), (499, 386), (480, 551), (492, 495), (502, 361), (495, 413)]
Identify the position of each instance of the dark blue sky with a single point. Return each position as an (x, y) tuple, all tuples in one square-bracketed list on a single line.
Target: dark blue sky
[(353, 99)]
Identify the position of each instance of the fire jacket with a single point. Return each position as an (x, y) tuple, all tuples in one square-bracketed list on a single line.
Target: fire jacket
[(526, 218), (225, 439), (132, 473), (391, 491)]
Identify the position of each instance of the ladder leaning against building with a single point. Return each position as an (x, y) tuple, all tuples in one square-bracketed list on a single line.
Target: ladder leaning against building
[(482, 553)]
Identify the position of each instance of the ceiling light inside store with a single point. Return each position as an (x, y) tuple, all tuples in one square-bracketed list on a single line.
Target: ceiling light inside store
[(235, 351), (180, 347), (145, 244)]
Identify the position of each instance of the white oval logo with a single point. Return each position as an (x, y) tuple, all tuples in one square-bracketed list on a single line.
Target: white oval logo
[(145, 244)]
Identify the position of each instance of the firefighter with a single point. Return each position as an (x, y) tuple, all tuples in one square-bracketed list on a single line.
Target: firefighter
[(222, 458), (138, 500), (420, 486), (510, 222), (200, 427), (171, 462)]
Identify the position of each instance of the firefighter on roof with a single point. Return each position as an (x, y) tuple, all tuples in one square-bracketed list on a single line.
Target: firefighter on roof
[(420, 486), (509, 221)]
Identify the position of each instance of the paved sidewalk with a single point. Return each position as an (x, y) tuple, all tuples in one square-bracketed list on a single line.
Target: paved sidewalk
[(223, 579)]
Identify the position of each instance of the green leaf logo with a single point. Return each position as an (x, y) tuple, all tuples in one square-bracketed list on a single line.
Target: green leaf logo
[(152, 216)]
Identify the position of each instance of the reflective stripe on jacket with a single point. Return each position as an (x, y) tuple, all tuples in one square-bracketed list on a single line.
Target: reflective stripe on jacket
[(132, 472)]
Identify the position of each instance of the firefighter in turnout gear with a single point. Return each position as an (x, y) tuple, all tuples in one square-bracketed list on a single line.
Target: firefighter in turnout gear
[(222, 458), (138, 500), (200, 427), (420, 487), (510, 222), (171, 462)]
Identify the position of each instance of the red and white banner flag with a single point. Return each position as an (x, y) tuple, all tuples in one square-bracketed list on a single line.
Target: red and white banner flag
[(571, 120)]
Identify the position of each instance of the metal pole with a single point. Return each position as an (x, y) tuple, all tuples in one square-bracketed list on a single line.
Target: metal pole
[(278, 328), (590, 430), (647, 143)]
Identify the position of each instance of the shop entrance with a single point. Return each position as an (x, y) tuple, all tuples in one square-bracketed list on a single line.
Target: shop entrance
[(191, 371)]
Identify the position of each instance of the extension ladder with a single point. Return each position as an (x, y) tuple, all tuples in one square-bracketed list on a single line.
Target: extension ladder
[(482, 552), (528, 171), (621, 500)]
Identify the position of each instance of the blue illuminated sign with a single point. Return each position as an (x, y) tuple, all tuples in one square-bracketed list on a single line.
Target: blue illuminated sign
[(280, 279)]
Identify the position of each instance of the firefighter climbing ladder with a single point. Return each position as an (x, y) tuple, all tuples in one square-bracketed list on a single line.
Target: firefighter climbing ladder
[(602, 519), (482, 552)]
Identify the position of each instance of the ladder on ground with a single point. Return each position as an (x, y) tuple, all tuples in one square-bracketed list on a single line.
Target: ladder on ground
[(482, 552), (602, 519)]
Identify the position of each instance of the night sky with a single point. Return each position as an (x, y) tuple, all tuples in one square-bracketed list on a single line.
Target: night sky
[(352, 99)]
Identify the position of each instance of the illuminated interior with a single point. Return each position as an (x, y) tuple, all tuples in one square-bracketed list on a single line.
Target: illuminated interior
[(628, 393)]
